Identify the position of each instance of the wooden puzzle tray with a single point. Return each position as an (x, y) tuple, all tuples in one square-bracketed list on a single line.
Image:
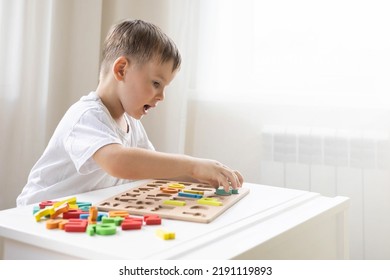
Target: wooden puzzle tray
[(184, 201)]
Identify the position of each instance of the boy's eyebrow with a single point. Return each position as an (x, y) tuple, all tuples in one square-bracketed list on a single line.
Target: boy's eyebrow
[(161, 78)]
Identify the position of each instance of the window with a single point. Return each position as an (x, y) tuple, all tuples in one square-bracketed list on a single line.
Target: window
[(334, 53)]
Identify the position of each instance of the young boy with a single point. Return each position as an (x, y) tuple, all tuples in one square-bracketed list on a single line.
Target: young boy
[(100, 142)]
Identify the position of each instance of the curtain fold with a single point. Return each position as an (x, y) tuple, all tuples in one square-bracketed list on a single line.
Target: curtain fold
[(49, 58), (168, 125)]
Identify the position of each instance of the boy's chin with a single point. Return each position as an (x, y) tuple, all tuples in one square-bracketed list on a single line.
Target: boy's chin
[(138, 116)]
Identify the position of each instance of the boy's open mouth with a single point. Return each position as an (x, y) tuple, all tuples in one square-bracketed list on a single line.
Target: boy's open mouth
[(146, 108)]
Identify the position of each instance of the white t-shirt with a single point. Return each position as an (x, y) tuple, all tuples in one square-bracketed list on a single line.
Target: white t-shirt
[(66, 166)]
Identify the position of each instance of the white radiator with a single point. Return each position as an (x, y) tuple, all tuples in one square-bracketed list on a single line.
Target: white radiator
[(334, 162)]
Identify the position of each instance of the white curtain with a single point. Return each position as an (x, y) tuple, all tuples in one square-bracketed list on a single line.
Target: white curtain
[(296, 94), (49, 57)]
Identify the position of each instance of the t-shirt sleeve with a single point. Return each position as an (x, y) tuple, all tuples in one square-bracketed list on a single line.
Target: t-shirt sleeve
[(90, 133)]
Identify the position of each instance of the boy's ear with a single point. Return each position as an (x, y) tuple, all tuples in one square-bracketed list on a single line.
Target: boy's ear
[(119, 68)]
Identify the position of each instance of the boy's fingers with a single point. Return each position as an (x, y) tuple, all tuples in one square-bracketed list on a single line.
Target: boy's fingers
[(239, 177), (232, 180), (225, 183)]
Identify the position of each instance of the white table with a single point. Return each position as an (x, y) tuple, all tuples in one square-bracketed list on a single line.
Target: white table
[(268, 223)]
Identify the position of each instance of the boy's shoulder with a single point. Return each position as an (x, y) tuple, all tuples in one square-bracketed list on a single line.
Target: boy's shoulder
[(86, 103), (90, 99), (87, 106)]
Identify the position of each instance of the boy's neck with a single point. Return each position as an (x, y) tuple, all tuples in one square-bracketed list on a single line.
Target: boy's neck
[(110, 100)]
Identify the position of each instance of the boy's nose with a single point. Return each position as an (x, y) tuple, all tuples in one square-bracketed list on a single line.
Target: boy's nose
[(161, 95)]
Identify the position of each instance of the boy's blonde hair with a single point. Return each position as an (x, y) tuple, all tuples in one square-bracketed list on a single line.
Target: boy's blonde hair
[(139, 41)]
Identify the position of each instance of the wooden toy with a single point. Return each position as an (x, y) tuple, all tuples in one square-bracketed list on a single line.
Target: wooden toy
[(53, 224), (76, 225), (43, 213), (222, 192), (105, 229), (138, 219), (93, 213), (122, 214), (131, 224), (156, 196), (62, 224), (60, 210), (46, 203), (73, 214), (91, 229), (113, 220), (36, 209), (101, 229), (166, 235), (71, 201), (83, 204), (100, 216), (209, 201), (152, 220)]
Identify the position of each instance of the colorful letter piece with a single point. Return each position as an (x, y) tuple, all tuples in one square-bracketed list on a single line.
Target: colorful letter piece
[(36, 209), (209, 201), (137, 219), (76, 225), (62, 224), (174, 202), (100, 216), (53, 224), (166, 235), (46, 203), (131, 224), (43, 213), (73, 214), (71, 201), (82, 208), (115, 213), (115, 220), (169, 190), (60, 210), (176, 186), (91, 229), (152, 220), (191, 195), (84, 216), (195, 192), (83, 204), (101, 229), (77, 220), (106, 229), (93, 212), (222, 192)]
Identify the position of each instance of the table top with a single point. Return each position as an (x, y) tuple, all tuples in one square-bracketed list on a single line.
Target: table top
[(266, 212)]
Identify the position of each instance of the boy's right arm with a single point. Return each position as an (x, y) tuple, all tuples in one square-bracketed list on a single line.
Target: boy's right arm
[(137, 163)]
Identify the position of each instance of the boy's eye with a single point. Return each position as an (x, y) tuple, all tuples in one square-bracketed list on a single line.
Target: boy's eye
[(156, 84)]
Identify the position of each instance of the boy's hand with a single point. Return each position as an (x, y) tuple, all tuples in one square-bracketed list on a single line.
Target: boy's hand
[(216, 174)]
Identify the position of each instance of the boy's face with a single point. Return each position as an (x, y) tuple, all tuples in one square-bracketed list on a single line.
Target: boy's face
[(143, 86)]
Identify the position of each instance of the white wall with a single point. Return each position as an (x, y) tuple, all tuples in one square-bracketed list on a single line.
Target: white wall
[(234, 134)]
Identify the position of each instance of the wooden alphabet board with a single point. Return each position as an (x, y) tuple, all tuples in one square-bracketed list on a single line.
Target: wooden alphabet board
[(184, 201)]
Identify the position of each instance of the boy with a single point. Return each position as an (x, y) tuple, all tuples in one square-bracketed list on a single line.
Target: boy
[(100, 142)]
